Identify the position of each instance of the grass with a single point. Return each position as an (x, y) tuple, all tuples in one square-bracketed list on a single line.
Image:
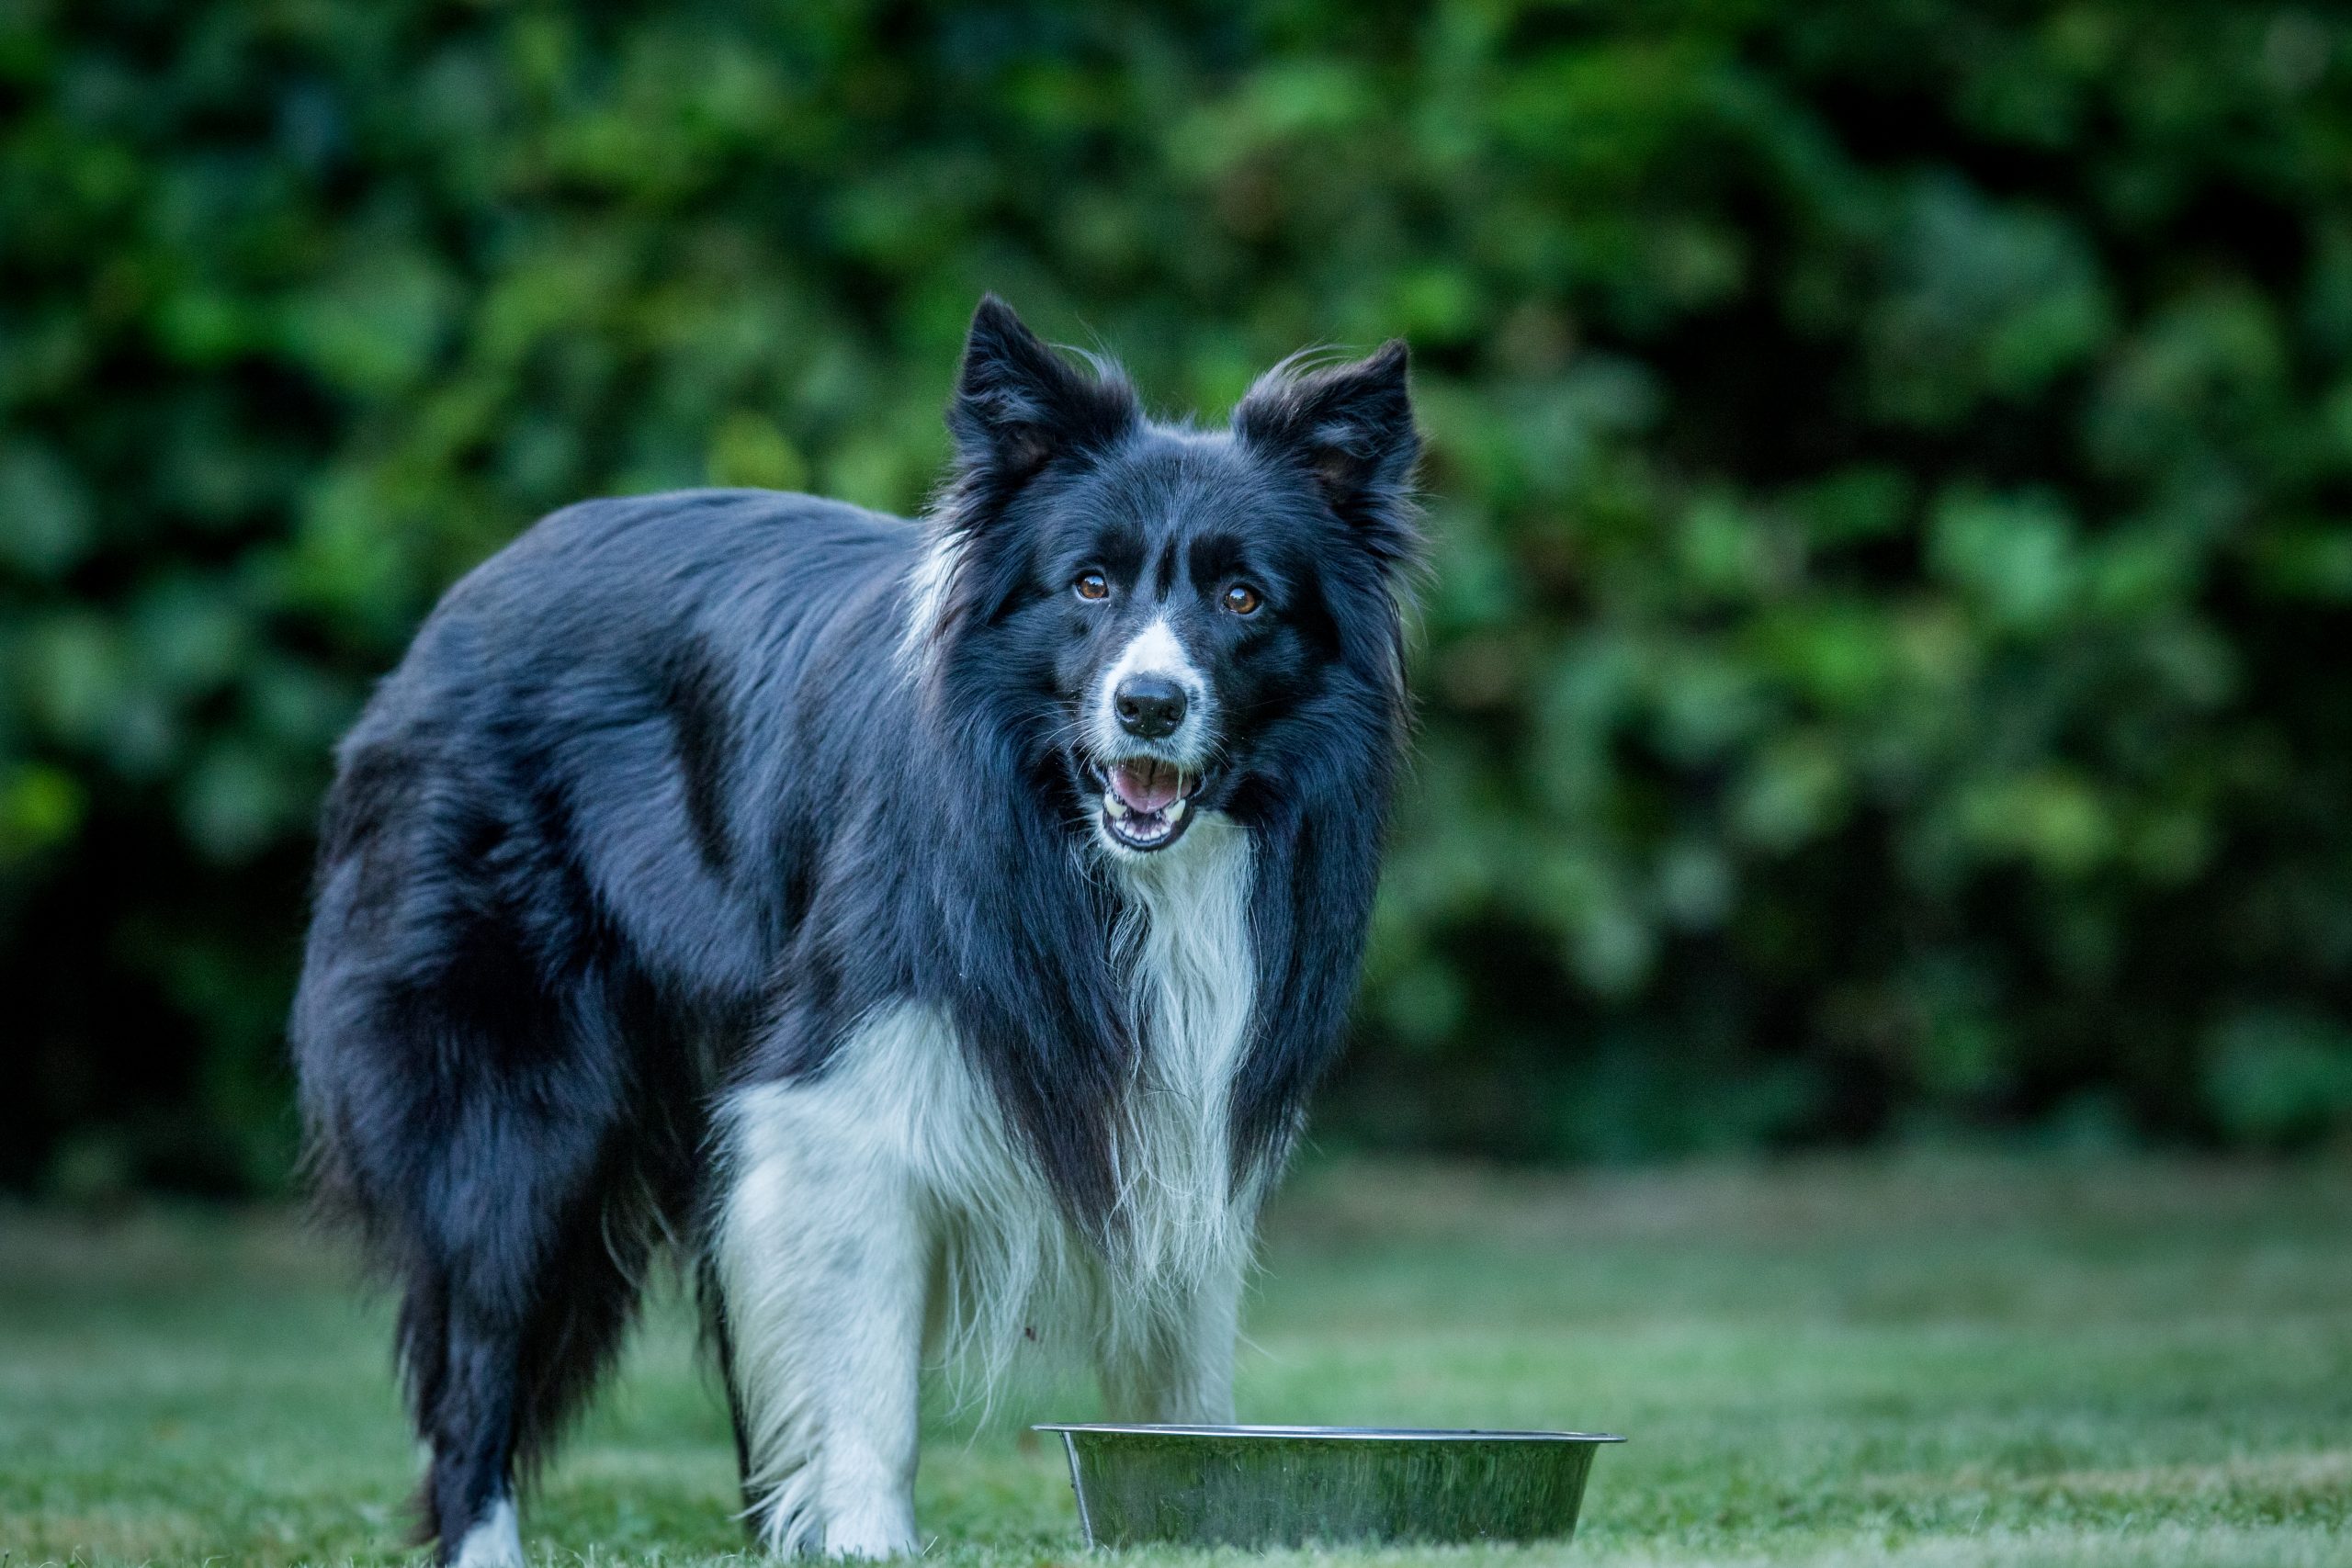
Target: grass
[(1946, 1363)]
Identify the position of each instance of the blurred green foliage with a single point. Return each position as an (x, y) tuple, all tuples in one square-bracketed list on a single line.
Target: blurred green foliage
[(1892, 473)]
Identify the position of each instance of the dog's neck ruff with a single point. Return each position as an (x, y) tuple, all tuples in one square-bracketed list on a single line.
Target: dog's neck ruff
[(929, 583), (1015, 1265)]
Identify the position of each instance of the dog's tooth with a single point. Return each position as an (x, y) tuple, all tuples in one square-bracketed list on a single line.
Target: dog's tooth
[(1175, 810), (1116, 807)]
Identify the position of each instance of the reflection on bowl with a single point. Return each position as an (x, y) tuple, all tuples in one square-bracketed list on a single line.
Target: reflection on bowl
[(1284, 1485)]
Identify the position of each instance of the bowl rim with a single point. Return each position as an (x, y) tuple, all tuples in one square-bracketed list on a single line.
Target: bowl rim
[(1337, 1434)]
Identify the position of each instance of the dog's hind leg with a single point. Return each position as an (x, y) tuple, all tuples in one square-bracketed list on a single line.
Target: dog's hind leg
[(821, 1253), (538, 1233), (468, 1488), (532, 1308)]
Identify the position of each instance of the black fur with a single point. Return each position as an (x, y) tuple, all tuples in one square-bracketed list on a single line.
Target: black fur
[(660, 801)]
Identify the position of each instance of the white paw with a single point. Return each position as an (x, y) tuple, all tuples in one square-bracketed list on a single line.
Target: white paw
[(493, 1542), (885, 1530)]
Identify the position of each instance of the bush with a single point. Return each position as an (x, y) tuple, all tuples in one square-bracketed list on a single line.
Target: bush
[(1890, 465)]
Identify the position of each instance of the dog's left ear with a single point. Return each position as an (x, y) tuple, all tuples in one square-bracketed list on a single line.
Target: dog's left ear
[(1018, 403), (1351, 426)]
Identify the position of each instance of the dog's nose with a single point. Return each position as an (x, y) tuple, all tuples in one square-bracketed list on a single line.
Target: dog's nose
[(1149, 705)]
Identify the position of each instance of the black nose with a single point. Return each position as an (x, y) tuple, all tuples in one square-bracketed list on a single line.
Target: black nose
[(1149, 705)]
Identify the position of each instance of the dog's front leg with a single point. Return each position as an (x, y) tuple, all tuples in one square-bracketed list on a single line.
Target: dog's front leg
[(823, 1256), (1182, 1371)]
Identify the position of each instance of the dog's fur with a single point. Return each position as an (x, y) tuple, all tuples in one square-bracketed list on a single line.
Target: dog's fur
[(807, 887)]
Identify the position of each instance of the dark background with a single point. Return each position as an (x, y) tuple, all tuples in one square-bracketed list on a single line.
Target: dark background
[(1891, 470)]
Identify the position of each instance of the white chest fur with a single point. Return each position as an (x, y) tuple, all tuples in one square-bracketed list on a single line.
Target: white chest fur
[(1187, 945), (1011, 1268)]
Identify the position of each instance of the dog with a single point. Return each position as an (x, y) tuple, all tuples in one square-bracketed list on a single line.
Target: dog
[(927, 931)]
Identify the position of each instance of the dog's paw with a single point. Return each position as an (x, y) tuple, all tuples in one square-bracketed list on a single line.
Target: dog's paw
[(493, 1542), (883, 1530)]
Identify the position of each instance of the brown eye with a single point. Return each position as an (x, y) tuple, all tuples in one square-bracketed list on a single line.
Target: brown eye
[(1241, 599), (1092, 585)]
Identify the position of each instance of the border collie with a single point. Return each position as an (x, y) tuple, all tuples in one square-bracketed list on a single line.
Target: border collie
[(932, 928)]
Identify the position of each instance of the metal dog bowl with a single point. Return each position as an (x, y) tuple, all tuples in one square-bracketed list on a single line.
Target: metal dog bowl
[(1285, 1486)]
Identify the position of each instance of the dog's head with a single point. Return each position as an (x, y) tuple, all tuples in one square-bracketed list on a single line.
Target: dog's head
[(1161, 621)]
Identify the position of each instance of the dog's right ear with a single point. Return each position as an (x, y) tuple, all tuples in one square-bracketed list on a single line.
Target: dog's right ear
[(1018, 404)]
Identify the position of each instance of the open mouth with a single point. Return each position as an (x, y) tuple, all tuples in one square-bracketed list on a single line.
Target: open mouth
[(1147, 803)]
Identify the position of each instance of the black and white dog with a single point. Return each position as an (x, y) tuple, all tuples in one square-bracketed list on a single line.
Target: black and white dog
[(932, 928)]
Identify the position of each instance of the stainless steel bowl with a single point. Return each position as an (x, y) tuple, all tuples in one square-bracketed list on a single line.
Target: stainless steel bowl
[(1283, 1485)]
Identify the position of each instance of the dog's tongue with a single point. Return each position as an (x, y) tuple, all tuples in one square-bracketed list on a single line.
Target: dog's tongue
[(1146, 784)]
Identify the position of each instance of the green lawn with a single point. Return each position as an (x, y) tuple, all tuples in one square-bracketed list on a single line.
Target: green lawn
[(1946, 1361)]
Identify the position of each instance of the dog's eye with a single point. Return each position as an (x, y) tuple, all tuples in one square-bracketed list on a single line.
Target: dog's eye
[(1241, 599), (1092, 585)]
